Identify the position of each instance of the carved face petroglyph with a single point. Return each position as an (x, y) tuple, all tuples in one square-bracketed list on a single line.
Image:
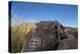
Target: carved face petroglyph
[(35, 42)]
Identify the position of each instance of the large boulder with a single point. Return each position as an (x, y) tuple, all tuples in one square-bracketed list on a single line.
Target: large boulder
[(49, 35)]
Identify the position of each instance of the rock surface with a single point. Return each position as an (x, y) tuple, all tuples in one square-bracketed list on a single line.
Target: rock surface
[(50, 35)]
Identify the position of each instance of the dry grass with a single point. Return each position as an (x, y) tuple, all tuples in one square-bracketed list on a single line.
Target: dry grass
[(18, 34)]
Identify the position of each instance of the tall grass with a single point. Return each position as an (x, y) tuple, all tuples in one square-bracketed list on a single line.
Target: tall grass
[(18, 34)]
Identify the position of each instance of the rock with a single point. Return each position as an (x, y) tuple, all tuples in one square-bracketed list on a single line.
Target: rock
[(50, 35), (67, 44)]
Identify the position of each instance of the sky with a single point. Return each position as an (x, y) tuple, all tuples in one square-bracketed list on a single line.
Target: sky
[(27, 12)]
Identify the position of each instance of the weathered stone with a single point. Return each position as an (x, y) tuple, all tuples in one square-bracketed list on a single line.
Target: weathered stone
[(67, 44), (50, 35)]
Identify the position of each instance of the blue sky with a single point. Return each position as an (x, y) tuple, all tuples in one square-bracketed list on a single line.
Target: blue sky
[(23, 12)]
